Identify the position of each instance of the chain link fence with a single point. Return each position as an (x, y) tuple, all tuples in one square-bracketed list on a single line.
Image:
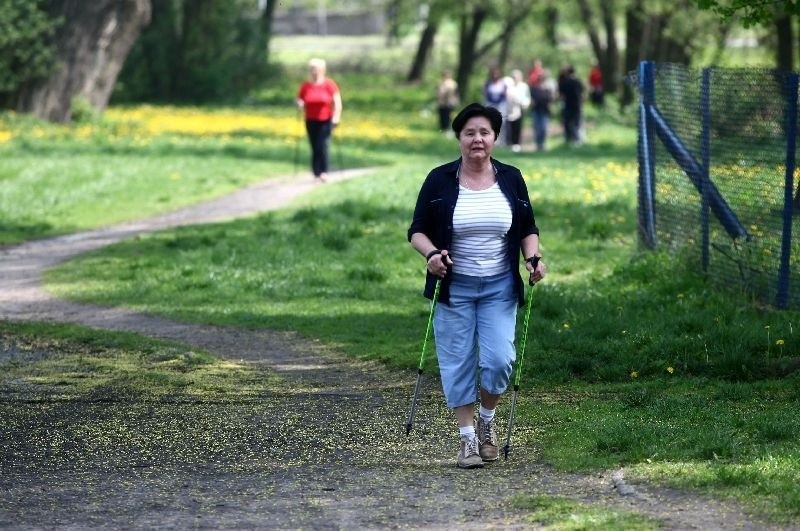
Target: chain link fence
[(717, 174)]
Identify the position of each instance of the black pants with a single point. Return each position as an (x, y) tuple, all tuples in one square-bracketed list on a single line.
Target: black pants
[(445, 112), (514, 131), (572, 123), (319, 136)]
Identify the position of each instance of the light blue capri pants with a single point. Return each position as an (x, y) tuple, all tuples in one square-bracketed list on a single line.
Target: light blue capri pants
[(475, 337)]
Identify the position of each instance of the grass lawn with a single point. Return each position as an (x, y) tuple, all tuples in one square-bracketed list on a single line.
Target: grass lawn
[(633, 360)]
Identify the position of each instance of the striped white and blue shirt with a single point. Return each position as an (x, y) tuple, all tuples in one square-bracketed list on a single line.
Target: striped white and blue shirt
[(480, 222)]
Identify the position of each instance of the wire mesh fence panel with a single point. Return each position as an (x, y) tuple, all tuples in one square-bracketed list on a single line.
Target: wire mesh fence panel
[(677, 94), (741, 138)]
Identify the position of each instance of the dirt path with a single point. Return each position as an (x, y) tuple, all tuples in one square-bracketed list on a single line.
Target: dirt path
[(327, 450)]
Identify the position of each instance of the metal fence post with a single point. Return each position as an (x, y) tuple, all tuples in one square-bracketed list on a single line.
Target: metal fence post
[(646, 153), (782, 298), (705, 155)]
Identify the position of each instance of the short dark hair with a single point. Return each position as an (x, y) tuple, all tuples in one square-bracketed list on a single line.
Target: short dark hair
[(476, 109)]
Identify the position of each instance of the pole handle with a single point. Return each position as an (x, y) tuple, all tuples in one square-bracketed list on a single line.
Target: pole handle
[(534, 260)]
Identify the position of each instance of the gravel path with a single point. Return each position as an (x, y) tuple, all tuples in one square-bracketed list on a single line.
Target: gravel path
[(328, 451)]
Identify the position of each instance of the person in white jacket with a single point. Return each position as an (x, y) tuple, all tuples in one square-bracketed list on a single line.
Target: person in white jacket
[(518, 101)]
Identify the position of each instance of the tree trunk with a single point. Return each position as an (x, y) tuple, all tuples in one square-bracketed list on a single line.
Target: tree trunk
[(610, 67), (91, 46), (587, 17), (469, 30), (607, 55), (424, 48), (784, 58), (551, 26), (634, 44), (266, 25), (721, 41), (393, 23), (796, 202), (505, 46), (505, 35), (666, 47), (471, 22)]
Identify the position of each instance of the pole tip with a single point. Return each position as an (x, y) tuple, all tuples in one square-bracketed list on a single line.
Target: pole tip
[(505, 452), (408, 429)]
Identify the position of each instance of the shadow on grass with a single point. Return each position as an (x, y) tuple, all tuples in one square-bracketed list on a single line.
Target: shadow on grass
[(14, 233)]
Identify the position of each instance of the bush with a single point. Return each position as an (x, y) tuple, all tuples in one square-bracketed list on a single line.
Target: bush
[(26, 53), (192, 55)]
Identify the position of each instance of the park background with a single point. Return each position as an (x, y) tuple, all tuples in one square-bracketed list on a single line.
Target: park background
[(638, 359)]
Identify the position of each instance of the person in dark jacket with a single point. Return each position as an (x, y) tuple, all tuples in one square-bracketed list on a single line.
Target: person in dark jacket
[(472, 219), (571, 91), (542, 94)]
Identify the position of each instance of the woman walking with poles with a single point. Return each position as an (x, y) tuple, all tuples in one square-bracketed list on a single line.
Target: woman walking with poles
[(472, 220), (322, 102)]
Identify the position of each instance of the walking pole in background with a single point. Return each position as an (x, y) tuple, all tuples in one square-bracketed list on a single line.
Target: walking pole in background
[(297, 144), (337, 148), (411, 413), (529, 303)]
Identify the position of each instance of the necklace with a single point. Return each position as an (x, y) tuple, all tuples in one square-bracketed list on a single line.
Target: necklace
[(482, 182)]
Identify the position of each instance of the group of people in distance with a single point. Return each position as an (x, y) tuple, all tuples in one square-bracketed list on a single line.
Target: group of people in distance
[(536, 93), (320, 101)]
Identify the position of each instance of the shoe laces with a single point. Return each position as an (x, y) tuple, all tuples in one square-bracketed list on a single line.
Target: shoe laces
[(470, 446), (487, 431)]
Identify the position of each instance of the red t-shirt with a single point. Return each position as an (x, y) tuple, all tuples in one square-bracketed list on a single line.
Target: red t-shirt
[(318, 99), (533, 75), (595, 78)]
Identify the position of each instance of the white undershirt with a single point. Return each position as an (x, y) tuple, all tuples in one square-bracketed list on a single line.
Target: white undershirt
[(480, 222)]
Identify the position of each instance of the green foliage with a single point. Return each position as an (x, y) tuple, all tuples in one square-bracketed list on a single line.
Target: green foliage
[(750, 12), (734, 439), (63, 178), (25, 51), (601, 316), (632, 358), (103, 363), (81, 111), (550, 512), (195, 52)]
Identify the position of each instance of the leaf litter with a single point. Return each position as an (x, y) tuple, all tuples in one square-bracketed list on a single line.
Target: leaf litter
[(316, 440)]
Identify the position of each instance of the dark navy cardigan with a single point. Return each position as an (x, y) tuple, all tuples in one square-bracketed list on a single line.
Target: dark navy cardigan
[(433, 216)]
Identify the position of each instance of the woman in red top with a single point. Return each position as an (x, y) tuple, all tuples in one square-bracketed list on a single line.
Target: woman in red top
[(322, 102), (596, 85)]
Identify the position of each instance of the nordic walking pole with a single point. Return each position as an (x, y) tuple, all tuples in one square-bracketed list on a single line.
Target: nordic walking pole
[(297, 144), (338, 149), (410, 421), (507, 447)]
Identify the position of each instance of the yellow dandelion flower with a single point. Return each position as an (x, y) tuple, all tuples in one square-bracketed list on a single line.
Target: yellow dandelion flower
[(634, 374), (779, 342), (566, 326), (670, 370)]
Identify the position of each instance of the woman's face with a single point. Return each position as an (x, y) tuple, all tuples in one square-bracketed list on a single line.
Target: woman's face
[(316, 72), (476, 139)]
